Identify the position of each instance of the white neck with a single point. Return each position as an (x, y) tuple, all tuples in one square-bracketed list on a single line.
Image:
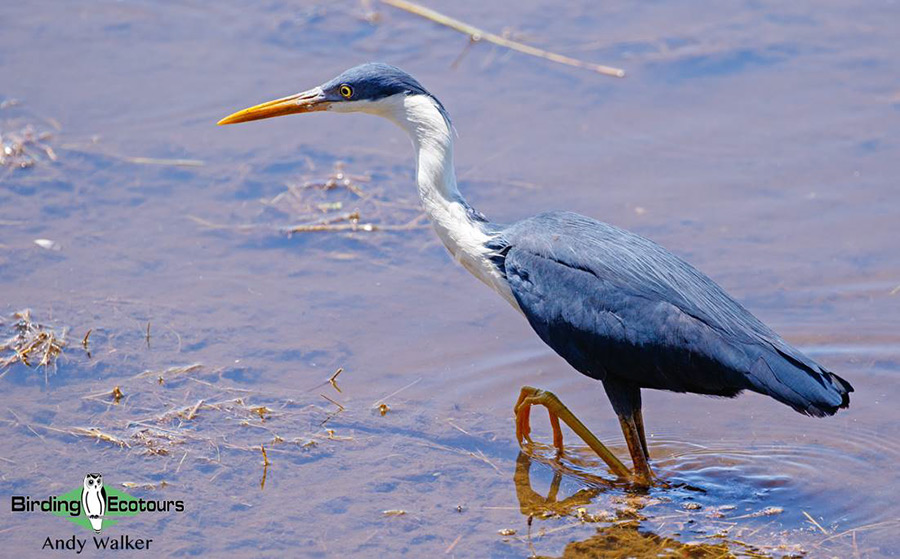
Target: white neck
[(453, 219)]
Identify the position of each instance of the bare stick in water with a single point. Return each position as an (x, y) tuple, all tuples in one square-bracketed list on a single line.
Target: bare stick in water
[(476, 34)]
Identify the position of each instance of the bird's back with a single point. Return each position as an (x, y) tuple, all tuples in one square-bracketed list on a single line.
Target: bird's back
[(612, 302)]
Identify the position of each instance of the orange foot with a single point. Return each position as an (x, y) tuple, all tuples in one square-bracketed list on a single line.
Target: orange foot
[(530, 396)]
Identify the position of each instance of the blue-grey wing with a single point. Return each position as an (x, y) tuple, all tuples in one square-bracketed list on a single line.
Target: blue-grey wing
[(611, 302), (602, 329)]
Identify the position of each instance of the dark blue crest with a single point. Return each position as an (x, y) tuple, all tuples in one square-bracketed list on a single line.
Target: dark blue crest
[(374, 80)]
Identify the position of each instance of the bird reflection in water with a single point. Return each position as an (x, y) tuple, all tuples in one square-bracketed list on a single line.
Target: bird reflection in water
[(618, 534), (532, 504)]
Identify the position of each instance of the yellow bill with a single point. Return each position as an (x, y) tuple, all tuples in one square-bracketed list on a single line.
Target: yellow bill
[(306, 102)]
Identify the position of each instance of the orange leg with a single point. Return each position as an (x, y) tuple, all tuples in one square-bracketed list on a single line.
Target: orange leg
[(530, 396), (642, 473), (639, 423)]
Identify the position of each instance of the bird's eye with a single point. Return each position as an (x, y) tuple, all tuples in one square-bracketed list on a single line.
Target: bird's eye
[(346, 91)]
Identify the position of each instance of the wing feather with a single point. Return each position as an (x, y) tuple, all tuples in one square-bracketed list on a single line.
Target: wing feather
[(612, 302)]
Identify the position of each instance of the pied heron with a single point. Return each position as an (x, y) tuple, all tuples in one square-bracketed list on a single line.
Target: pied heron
[(618, 307)]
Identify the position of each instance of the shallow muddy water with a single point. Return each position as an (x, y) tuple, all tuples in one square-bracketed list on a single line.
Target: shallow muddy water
[(758, 140)]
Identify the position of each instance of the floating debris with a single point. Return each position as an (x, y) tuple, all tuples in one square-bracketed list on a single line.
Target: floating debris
[(84, 342), (192, 413), (33, 345), (768, 511), (317, 205), (164, 162), (582, 514), (117, 395), (95, 433), (171, 372), (393, 512), (383, 409), (155, 443), (506, 532), (262, 411), (814, 522), (47, 244), (145, 486), (333, 437), (25, 148), (333, 379), (334, 225)]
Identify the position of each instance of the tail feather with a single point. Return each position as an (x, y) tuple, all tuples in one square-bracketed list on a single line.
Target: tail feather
[(843, 387), (801, 384)]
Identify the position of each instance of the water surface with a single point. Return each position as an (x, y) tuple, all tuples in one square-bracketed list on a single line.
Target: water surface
[(757, 140)]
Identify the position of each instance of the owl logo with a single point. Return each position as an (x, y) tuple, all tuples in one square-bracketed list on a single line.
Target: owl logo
[(93, 500)]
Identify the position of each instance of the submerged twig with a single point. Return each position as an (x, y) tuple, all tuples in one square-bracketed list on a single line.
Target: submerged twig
[(27, 426), (173, 371), (262, 483), (452, 545), (84, 342), (475, 34), (193, 412), (95, 433), (166, 162), (333, 379), (340, 407), (816, 524), (379, 401)]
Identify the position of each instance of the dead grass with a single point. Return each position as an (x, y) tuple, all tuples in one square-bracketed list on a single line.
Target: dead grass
[(339, 202), (34, 345), (25, 146), (187, 413)]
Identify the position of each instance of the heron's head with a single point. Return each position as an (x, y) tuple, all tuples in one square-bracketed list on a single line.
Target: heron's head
[(373, 88)]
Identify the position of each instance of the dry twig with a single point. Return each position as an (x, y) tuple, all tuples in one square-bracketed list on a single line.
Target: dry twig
[(475, 34)]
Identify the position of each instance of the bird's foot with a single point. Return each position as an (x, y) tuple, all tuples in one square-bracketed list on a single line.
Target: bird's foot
[(530, 396)]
